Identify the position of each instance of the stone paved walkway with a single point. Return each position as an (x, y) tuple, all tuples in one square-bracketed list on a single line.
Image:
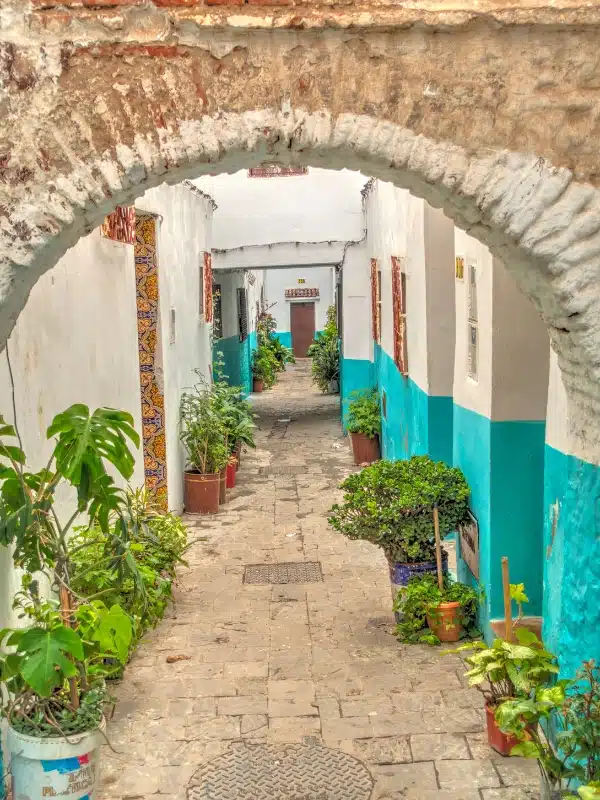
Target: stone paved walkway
[(274, 664)]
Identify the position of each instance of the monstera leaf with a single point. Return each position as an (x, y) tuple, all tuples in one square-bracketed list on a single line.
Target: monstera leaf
[(45, 657), (85, 441)]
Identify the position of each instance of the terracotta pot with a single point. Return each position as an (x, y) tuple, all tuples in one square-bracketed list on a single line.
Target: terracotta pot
[(402, 572), (258, 385), (231, 474), (223, 486), (445, 622), (364, 448), (201, 492), (502, 742)]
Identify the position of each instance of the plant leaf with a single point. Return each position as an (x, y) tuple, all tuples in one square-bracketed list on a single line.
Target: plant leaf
[(45, 654)]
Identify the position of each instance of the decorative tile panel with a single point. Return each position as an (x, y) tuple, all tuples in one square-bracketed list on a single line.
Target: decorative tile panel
[(152, 398), (275, 171), (304, 292), (375, 300), (208, 283), (120, 225)]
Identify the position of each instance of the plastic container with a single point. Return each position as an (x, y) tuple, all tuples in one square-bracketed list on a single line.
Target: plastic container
[(54, 767), (201, 492), (445, 622), (365, 449), (231, 470)]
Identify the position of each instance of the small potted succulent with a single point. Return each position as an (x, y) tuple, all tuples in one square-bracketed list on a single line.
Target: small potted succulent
[(202, 432), (364, 426), (447, 612), (507, 671), (53, 669), (390, 503)]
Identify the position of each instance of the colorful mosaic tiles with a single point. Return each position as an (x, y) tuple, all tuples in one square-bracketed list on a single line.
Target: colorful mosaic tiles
[(153, 403), (208, 290), (120, 225)]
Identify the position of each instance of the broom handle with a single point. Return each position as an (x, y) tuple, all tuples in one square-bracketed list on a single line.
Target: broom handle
[(438, 547), (507, 603)]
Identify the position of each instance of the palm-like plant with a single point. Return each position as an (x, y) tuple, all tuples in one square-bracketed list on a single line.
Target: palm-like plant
[(54, 668)]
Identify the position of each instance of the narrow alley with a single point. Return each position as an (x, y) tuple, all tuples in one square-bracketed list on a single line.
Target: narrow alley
[(239, 669)]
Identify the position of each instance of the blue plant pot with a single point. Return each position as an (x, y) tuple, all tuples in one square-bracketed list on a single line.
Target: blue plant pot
[(401, 573)]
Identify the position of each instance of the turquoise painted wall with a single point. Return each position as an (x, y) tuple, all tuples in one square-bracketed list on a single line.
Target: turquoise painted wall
[(503, 463), (238, 359), (356, 375), (416, 423), (572, 560), (285, 337)]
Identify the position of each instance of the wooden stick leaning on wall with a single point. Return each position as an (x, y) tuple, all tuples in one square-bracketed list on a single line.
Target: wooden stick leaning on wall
[(438, 547), (507, 600)]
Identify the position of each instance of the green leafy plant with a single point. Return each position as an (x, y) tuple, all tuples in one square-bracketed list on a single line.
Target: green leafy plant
[(579, 724), (157, 546), (390, 504), (506, 670), (364, 415), (283, 355), (421, 598), (202, 429), (236, 413), (325, 354), (49, 667), (589, 792), (264, 365)]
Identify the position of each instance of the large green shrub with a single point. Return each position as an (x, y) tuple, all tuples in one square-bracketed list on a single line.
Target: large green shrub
[(390, 503)]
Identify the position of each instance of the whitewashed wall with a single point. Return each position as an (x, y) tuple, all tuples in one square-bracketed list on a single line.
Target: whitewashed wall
[(75, 342), (287, 254), (278, 280), (320, 206), (357, 342), (184, 234)]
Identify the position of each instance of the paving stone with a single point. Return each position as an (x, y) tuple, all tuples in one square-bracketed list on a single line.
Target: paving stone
[(402, 777), (459, 774), (234, 706), (292, 729), (247, 669), (383, 750), (254, 724), (516, 771), (511, 793), (352, 728), (439, 746)]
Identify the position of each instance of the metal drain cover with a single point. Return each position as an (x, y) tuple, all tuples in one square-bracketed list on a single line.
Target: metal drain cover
[(281, 772), (292, 572)]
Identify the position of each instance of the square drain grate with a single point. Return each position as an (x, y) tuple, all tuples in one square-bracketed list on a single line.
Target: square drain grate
[(292, 572)]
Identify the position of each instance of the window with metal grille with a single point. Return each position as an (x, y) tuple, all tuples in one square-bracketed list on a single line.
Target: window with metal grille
[(242, 309), (376, 299), (399, 315), (473, 328), (217, 313)]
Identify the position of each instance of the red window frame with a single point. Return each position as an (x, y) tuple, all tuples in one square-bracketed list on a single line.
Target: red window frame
[(399, 314)]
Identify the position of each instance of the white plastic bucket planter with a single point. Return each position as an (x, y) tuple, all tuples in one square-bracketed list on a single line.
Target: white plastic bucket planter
[(63, 768)]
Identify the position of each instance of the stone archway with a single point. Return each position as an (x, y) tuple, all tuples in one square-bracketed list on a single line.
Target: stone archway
[(489, 114), (101, 105)]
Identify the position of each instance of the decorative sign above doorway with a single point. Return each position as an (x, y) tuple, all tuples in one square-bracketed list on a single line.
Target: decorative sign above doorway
[(469, 544), (290, 294)]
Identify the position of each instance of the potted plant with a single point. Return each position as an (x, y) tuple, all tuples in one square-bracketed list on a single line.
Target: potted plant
[(506, 671), (325, 354), (448, 612), (589, 792), (264, 368), (53, 669), (202, 431), (559, 726), (364, 426), (390, 503)]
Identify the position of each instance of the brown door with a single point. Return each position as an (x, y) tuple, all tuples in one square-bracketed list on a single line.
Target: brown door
[(302, 323)]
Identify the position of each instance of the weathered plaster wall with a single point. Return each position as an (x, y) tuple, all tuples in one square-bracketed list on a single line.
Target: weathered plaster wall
[(320, 206), (281, 254), (499, 424), (278, 280), (184, 230), (571, 545), (75, 342)]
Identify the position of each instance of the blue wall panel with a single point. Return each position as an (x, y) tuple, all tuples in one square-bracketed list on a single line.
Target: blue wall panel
[(572, 560)]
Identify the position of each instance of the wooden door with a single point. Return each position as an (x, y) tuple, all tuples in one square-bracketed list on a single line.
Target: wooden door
[(302, 324)]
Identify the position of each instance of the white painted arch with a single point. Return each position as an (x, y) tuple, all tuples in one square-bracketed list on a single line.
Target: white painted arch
[(536, 218)]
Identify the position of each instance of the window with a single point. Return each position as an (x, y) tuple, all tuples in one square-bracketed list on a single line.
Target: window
[(217, 313), (242, 309), (399, 314), (172, 330), (376, 299), (473, 332)]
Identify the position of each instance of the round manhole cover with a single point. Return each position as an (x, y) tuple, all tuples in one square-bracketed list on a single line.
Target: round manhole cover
[(281, 772)]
